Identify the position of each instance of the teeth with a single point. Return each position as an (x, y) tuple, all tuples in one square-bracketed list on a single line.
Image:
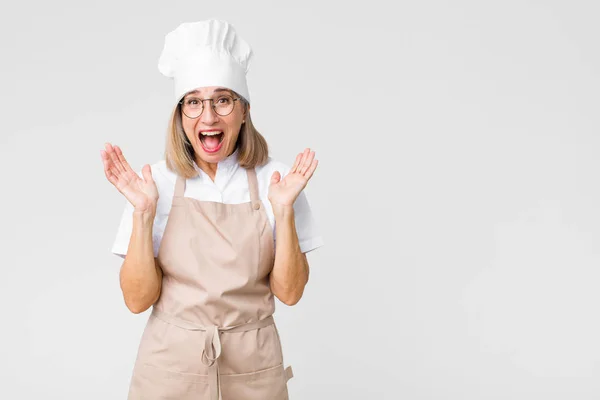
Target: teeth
[(210, 133)]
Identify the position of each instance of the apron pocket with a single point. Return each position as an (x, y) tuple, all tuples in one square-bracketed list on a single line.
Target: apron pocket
[(171, 348), (152, 383), (268, 384)]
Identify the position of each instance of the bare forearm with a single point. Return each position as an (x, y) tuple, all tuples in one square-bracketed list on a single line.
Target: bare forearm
[(140, 275), (290, 272)]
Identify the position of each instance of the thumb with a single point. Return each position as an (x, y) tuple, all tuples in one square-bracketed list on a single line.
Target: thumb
[(276, 177), (147, 173)]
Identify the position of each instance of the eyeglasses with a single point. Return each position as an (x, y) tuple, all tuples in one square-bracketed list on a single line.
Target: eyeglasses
[(192, 107)]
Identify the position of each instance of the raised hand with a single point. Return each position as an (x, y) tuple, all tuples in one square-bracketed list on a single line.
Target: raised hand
[(141, 193), (284, 192)]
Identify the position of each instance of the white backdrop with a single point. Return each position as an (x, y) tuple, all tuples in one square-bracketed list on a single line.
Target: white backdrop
[(456, 191)]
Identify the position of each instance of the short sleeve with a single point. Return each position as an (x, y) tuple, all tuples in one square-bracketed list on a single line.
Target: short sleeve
[(123, 235), (309, 234), (121, 242)]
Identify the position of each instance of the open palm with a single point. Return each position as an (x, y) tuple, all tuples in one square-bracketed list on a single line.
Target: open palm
[(141, 193), (284, 192)]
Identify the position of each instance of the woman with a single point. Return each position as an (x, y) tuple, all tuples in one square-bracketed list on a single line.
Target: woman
[(212, 233)]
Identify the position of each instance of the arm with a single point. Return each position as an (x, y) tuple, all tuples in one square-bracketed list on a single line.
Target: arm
[(290, 272), (141, 275)]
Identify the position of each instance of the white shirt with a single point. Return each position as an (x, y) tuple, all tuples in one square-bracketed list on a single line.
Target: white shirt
[(231, 187)]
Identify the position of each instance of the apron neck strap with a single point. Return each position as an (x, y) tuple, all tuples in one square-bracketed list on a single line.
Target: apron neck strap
[(253, 186), (179, 186)]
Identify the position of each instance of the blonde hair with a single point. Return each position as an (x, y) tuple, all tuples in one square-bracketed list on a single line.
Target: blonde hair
[(252, 147)]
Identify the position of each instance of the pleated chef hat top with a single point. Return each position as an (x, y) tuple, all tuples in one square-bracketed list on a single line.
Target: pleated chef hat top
[(205, 53)]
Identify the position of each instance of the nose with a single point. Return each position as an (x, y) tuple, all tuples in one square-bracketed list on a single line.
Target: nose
[(208, 116)]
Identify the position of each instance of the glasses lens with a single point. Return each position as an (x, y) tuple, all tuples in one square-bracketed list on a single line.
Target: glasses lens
[(192, 107), (223, 105)]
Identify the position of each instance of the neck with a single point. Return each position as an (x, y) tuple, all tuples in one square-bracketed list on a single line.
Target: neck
[(208, 167)]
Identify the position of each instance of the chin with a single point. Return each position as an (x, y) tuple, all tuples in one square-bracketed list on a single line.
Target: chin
[(217, 156)]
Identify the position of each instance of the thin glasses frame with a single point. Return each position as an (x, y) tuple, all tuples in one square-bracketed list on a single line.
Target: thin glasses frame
[(234, 99)]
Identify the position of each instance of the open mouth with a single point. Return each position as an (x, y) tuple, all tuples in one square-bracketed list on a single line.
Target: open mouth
[(211, 141)]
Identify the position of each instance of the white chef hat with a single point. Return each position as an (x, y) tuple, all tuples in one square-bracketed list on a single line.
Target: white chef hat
[(205, 53)]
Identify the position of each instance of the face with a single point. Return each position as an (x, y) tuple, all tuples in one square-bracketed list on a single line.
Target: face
[(212, 136)]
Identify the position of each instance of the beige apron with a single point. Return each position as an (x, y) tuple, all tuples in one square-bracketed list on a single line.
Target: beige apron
[(211, 335)]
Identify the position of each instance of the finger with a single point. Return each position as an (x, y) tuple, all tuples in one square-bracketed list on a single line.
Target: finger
[(110, 163), (300, 161), (112, 179), (106, 161), (122, 159), (275, 177), (305, 155), (296, 162), (307, 162), (113, 156), (147, 174), (110, 176), (104, 158), (110, 154), (311, 169), (109, 168)]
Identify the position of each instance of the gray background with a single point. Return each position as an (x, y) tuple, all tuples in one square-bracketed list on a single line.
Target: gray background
[(457, 190)]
